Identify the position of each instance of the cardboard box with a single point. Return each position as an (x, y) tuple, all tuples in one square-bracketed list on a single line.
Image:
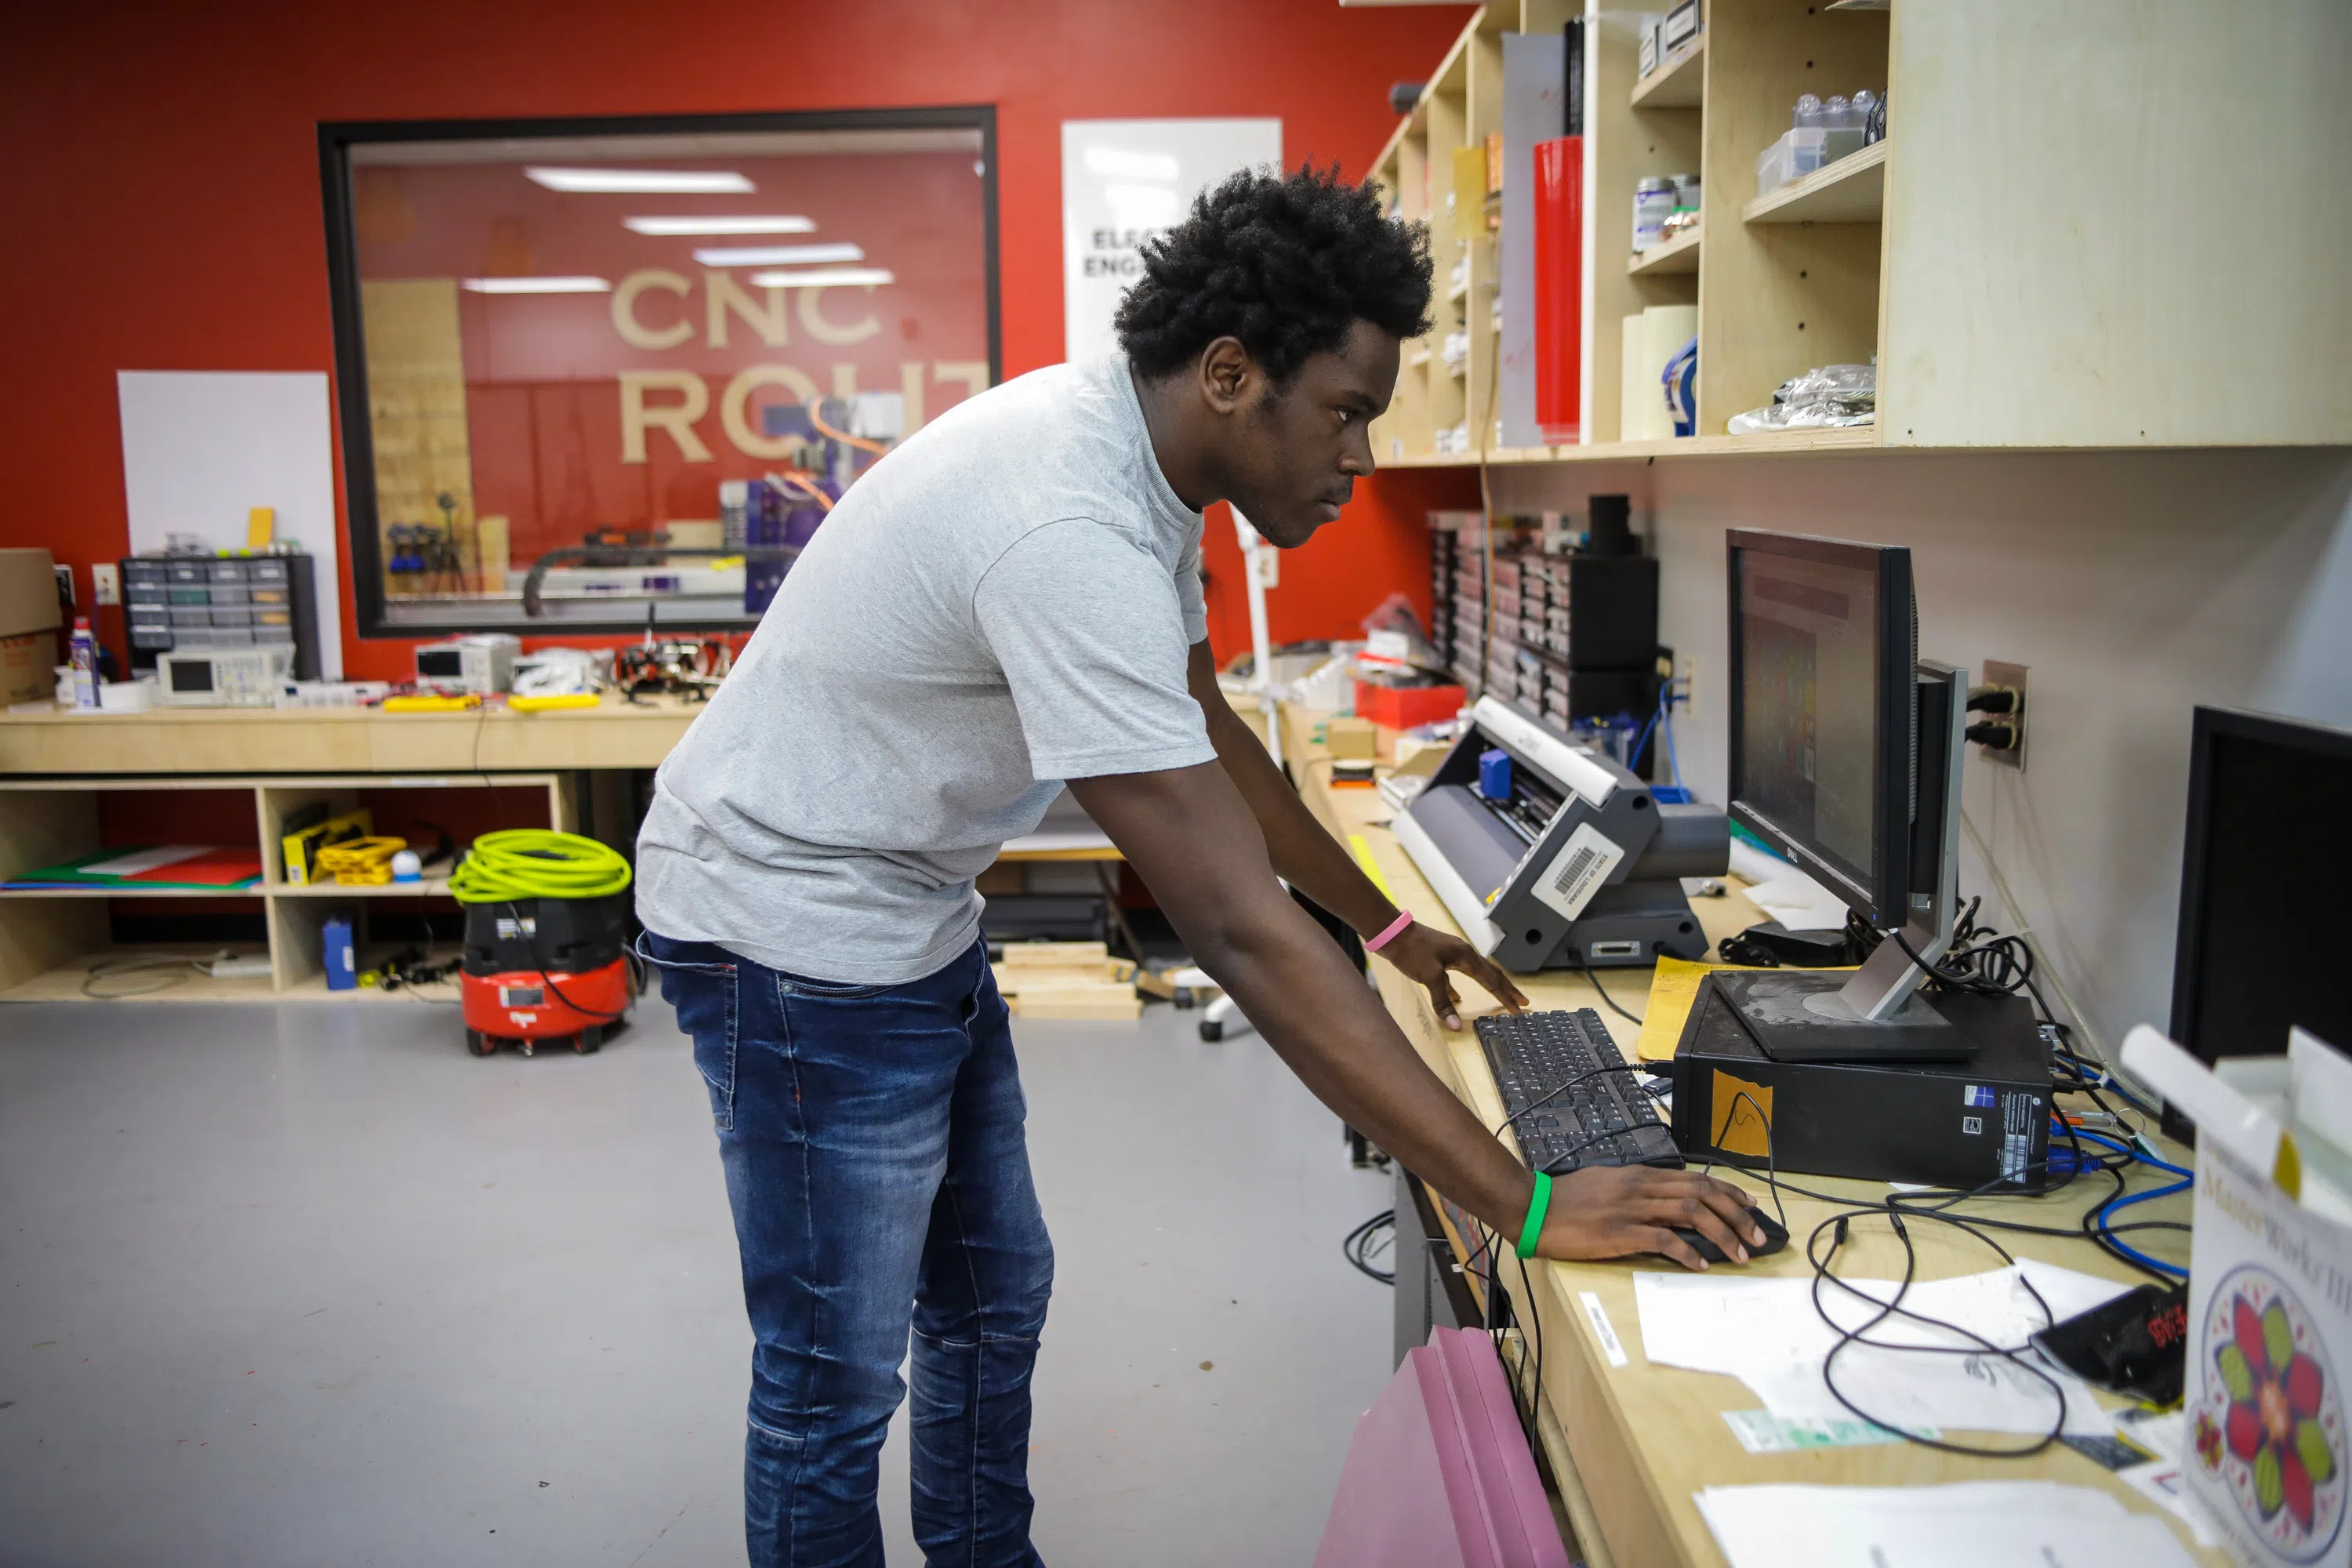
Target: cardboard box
[(1351, 741), (28, 592), (2266, 1452), (28, 664), (2269, 1338)]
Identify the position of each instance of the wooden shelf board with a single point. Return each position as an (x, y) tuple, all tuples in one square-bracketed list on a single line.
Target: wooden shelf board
[(428, 887), (1850, 438), (1852, 190), (1677, 81), (1677, 255), (64, 983), (252, 892), (1418, 358)]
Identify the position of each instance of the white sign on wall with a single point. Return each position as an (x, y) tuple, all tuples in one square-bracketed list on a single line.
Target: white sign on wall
[(1124, 181), (201, 448)]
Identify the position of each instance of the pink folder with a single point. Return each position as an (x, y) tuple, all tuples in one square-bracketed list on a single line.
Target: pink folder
[(1438, 1474)]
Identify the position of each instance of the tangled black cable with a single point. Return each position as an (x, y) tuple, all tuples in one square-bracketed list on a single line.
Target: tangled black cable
[(1363, 1244), (1932, 1206), (1577, 954), (1893, 1307)]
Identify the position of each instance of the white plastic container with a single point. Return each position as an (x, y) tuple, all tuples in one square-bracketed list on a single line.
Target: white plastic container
[(1654, 203), (1797, 153), (127, 696)]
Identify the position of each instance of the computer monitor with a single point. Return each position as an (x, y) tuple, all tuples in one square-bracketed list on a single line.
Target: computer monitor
[(1822, 647), (2261, 880), (1844, 757)]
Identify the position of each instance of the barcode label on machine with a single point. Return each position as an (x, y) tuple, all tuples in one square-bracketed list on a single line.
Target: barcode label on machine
[(1583, 864)]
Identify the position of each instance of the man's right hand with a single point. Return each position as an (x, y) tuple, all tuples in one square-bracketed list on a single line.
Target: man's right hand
[(1616, 1211)]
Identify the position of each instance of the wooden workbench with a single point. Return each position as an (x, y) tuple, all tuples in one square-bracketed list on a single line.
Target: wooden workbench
[(615, 734), (1632, 1445)]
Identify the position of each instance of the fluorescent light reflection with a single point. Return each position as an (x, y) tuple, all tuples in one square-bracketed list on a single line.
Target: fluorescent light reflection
[(1131, 166), (719, 225), (822, 277), (643, 182), (776, 255), (572, 285)]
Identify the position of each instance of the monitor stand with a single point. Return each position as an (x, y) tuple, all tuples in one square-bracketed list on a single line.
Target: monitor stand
[(1873, 1013)]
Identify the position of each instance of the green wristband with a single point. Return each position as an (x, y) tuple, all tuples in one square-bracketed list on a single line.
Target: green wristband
[(1538, 1205)]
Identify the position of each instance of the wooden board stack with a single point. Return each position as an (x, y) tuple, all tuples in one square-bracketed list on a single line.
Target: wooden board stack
[(1067, 980)]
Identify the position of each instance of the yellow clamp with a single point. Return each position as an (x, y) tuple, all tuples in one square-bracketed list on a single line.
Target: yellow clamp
[(360, 862)]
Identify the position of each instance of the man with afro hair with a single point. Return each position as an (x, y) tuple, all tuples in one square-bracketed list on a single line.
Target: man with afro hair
[(1010, 603)]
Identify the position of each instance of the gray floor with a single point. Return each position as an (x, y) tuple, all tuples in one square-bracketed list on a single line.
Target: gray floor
[(307, 1284)]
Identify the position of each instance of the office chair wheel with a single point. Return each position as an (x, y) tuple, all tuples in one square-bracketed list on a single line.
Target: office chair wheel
[(1213, 1030), (480, 1044)]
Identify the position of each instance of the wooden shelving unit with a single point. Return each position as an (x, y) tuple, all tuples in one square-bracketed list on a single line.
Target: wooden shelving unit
[(1948, 266), (49, 939), (1679, 254), (1852, 190), (1677, 83)]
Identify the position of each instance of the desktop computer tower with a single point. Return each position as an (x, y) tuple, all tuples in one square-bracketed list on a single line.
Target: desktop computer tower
[(1979, 1123)]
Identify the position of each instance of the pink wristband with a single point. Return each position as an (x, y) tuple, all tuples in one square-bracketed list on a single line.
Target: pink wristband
[(1374, 944)]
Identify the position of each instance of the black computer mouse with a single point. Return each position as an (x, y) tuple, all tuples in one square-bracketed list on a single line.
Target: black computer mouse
[(1776, 1237)]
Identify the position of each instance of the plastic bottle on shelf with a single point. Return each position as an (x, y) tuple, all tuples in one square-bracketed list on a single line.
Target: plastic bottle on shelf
[(1837, 114), (1654, 203), (1867, 105), (1808, 114), (84, 666)]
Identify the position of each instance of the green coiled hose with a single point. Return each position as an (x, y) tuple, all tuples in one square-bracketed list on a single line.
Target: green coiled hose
[(535, 863)]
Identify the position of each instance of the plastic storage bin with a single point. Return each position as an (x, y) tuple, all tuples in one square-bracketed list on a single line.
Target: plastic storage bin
[(1403, 707)]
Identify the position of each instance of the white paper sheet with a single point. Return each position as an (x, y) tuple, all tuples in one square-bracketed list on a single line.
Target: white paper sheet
[(1799, 902), (201, 448), (1979, 1525), (1769, 1335)]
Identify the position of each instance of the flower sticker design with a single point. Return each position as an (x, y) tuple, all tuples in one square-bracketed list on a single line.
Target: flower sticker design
[(2209, 1441), (2268, 1418)]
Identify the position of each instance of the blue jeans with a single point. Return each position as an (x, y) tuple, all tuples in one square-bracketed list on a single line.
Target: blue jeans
[(877, 1165)]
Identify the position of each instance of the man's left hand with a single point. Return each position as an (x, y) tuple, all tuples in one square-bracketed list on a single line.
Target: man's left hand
[(1426, 955)]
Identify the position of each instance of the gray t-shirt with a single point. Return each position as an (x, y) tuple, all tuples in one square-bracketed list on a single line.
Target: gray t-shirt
[(1004, 602)]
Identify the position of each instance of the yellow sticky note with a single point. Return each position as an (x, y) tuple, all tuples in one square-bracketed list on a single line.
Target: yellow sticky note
[(1741, 1117), (1672, 995), (1363, 853), (260, 527)]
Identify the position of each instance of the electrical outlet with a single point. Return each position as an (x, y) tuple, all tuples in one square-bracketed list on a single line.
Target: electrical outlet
[(106, 583), (2012, 675)]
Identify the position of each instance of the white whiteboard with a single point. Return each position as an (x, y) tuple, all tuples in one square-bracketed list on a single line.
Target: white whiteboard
[(1122, 181), (201, 448)]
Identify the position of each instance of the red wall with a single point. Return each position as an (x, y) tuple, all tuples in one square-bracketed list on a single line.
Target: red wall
[(163, 212)]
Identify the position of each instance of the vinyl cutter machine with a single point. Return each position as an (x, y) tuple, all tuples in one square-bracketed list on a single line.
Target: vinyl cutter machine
[(1553, 853)]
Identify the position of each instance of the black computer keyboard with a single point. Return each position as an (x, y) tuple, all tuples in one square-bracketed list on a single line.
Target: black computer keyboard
[(1605, 1119)]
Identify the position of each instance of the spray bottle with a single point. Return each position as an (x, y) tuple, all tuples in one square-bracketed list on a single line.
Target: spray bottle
[(85, 665)]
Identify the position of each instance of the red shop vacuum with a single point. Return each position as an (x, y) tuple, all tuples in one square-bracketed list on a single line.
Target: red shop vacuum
[(547, 941)]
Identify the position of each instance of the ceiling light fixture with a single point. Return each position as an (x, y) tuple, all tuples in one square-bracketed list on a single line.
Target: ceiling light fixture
[(572, 285), (643, 182), (775, 255), (722, 224), (823, 278)]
